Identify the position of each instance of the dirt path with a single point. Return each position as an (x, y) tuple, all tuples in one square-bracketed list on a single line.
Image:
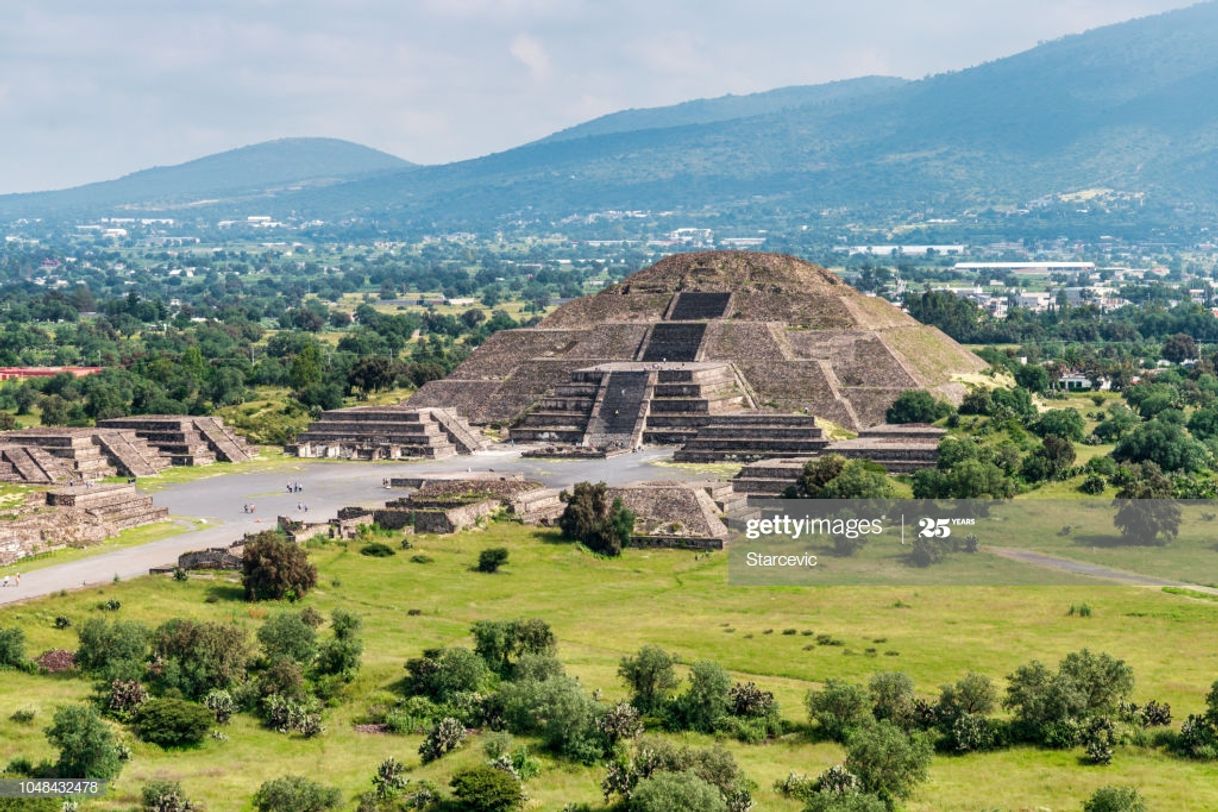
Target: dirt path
[(1087, 569)]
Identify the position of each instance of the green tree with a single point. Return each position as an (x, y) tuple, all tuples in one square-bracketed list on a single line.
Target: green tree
[(1165, 444), (650, 676), (670, 791), (492, 559), (917, 406), (293, 793), (1115, 799), (1067, 423), (486, 789), (113, 651), (274, 568), (839, 708), (286, 634), (705, 703), (888, 762), (604, 527), (1032, 377), (196, 657), (172, 722), (1146, 513), (12, 648), (87, 746)]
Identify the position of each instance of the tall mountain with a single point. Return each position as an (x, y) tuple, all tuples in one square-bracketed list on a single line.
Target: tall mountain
[(258, 170), (726, 108), (1131, 107)]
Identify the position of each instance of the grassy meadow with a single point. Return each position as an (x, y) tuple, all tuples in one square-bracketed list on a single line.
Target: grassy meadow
[(602, 609)]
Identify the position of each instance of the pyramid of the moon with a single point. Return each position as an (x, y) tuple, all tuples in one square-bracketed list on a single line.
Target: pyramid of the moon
[(759, 332)]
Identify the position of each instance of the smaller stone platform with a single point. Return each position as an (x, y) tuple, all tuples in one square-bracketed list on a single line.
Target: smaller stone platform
[(387, 433)]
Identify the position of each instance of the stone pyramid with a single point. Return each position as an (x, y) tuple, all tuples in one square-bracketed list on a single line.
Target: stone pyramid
[(796, 338)]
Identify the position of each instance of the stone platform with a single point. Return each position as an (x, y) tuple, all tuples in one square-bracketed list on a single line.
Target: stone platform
[(81, 454), (387, 433), (75, 516), (749, 436), (185, 439), (899, 448)]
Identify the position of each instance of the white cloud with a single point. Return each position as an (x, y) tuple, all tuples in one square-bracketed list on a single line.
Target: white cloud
[(529, 52)]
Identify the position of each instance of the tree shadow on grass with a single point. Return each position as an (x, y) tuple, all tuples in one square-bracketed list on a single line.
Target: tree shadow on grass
[(225, 592)]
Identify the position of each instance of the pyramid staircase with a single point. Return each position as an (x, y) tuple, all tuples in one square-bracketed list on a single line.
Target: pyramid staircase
[(749, 436), (626, 404), (226, 444), (30, 464)]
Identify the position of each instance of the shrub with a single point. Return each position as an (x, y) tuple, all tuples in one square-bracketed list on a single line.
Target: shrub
[(499, 643), (23, 716), (439, 675), (220, 702), (287, 634), (748, 701), (295, 794), (164, 796), (1051, 707), (376, 549), (1156, 714), (559, 712), (1115, 799), (491, 560), (1099, 740), (62, 622), (1067, 423), (1092, 484), (172, 722), (125, 697), (113, 650), (590, 518), (273, 568), (55, 661), (650, 677), (196, 657), (838, 708), (892, 698), (340, 655), (486, 789), (704, 704), (390, 779), (87, 746), (12, 648), (888, 762), (620, 722), (443, 737), (916, 406), (668, 791), (284, 715)]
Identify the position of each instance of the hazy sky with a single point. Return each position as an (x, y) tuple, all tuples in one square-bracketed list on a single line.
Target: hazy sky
[(91, 90)]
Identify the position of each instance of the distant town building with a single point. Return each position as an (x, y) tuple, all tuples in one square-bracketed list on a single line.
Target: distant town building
[(1026, 267), (12, 373)]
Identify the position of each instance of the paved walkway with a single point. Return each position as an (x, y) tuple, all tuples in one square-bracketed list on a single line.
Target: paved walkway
[(326, 486)]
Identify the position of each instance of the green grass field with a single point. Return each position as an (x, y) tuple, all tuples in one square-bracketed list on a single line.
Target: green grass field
[(602, 609)]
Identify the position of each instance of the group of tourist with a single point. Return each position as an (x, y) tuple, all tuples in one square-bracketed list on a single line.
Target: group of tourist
[(11, 580)]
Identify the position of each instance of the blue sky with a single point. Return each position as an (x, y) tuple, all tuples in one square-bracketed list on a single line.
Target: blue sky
[(90, 91)]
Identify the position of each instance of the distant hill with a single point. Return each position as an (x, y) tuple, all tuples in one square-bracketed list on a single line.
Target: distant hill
[(1129, 110), (726, 108), (271, 167)]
